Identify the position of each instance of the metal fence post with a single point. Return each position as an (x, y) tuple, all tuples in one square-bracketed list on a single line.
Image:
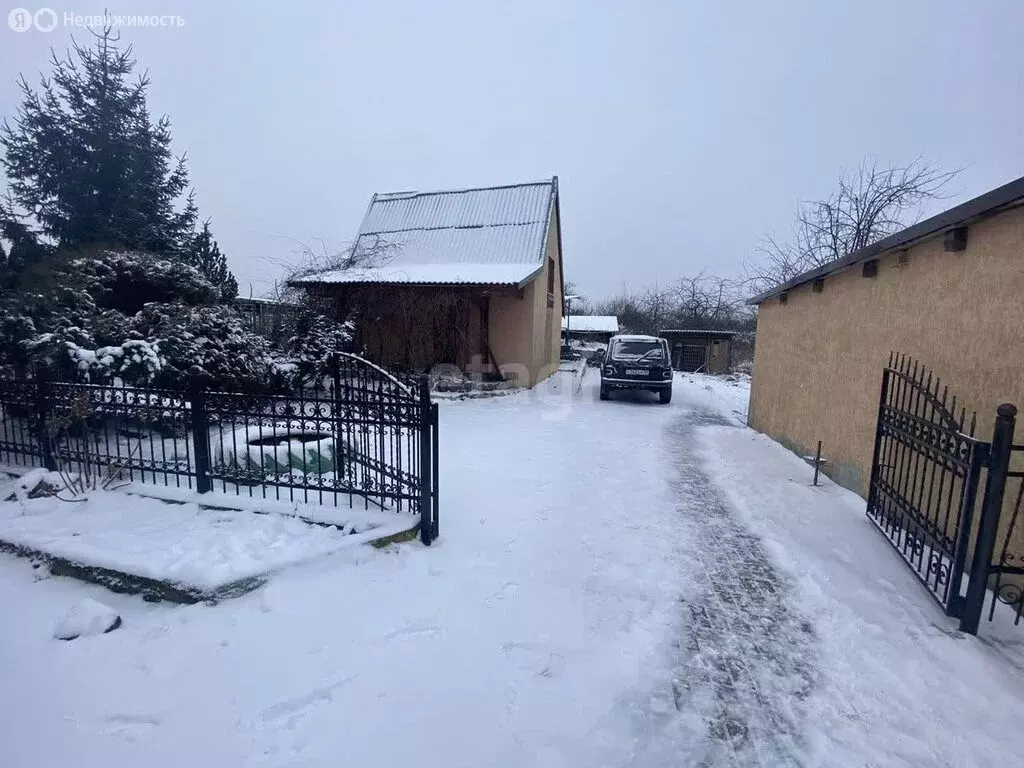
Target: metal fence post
[(200, 431), (340, 465), (979, 458), (988, 525), (426, 465), (44, 398), (435, 454), (875, 469)]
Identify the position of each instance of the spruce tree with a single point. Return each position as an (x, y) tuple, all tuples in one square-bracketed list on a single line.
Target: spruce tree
[(87, 165), (205, 255)]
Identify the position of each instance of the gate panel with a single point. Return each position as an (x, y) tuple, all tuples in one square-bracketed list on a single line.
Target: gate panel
[(924, 478)]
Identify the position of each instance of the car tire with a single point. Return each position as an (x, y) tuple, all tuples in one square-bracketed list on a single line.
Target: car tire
[(665, 396), (604, 392)]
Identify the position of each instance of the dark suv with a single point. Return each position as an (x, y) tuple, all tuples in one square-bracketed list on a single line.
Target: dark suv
[(637, 362)]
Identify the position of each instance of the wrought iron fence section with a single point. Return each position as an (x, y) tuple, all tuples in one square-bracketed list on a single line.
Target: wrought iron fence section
[(19, 443), (360, 435), (138, 434)]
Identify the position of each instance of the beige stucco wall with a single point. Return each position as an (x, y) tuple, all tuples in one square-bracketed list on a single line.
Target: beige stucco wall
[(510, 328), (525, 333), (819, 357)]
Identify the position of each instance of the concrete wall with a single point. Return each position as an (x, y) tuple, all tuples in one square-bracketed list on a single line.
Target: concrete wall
[(819, 357)]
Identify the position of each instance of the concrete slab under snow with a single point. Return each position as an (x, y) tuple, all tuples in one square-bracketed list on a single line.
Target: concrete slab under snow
[(180, 552)]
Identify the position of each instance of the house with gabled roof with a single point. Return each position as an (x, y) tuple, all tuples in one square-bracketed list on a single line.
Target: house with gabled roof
[(470, 278)]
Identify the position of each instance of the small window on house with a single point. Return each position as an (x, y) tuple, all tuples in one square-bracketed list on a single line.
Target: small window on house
[(870, 268), (551, 282), (818, 285), (783, 298)]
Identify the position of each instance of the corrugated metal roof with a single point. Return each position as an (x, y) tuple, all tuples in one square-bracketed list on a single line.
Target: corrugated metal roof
[(434, 274), (452, 236), (590, 323), (498, 206), (696, 332)]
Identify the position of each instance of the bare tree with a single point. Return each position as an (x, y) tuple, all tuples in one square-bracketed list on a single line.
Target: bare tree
[(868, 205), (655, 307)]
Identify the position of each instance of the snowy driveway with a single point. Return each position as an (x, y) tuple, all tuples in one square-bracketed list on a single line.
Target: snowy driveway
[(608, 590)]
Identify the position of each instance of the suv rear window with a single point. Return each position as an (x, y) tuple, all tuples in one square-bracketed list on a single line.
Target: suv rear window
[(635, 350)]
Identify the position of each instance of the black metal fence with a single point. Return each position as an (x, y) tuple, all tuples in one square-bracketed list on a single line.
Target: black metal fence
[(926, 475), (360, 436)]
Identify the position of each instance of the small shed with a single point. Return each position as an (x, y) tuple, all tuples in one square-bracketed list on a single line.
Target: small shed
[(470, 278), (698, 350), (598, 328)]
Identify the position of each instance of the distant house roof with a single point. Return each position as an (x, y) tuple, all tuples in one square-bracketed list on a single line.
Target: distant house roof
[(251, 301), (491, 236), (992, 202), (696, 332), (591, 323)]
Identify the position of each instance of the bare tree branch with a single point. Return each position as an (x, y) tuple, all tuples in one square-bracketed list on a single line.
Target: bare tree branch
[(868, 205)]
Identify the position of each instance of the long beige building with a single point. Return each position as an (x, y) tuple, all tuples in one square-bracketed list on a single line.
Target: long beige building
[(948, 292)]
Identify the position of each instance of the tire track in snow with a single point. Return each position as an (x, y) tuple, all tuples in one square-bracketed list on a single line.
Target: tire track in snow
[(748, 655)]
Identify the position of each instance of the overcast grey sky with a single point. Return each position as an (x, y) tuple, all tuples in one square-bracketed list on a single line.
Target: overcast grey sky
[(681, 132)]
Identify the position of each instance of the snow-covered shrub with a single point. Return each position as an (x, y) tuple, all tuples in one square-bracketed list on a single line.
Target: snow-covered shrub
[(134, 360), (212, 338), (16, 328), (128, 280), (53, 351), (309, 349)]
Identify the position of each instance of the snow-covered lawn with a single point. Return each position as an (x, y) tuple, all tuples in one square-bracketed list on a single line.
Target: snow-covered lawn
[(616, 583)]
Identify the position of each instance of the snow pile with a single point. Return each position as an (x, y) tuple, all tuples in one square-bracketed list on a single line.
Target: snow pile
[(20, 487), (87, 617), (726, 394), (174, 543)]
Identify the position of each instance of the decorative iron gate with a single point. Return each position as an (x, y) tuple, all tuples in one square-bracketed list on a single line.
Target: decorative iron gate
[(926, 474)]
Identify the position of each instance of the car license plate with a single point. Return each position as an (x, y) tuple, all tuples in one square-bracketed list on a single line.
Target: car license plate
[(636, 372)]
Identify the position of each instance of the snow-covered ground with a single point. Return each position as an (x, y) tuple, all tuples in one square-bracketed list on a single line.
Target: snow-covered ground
[(181, 544), (616, 583)]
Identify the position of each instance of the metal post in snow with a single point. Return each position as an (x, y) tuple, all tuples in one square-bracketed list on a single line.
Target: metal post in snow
[(200, 430), (426, 466), (817, 463), (435, 480), (991, 508), (336, 421), (876, 453)]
